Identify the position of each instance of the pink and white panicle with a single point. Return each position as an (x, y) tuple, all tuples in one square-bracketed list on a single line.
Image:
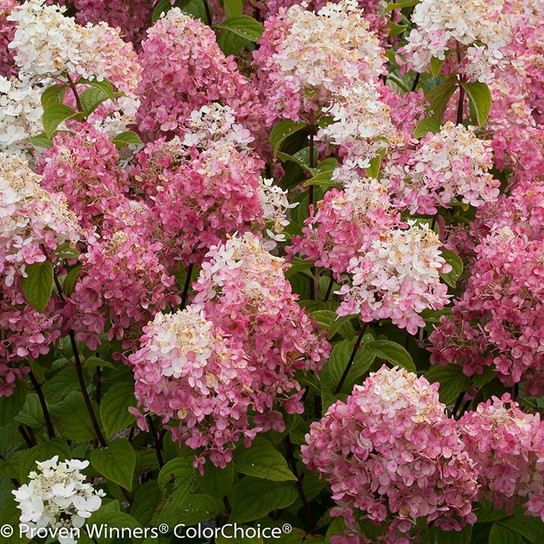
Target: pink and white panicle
[(397, 278), (84, 166), (392, 456), (502, 310), (346, 224), (193, 375), (34, 223), (451, 164), (305, 58), (7, 29), (47, 44), (471, 34), (183, 69), (243, 289), (507, 446)]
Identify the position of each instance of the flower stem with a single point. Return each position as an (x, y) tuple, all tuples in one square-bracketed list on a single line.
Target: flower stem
[(187, 285), (45, 410), (351, 359)]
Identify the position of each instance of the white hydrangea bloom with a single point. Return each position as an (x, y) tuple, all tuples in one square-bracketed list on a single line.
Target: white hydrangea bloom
[(275, 205), (215, 122), (57, 496), (20, 114)]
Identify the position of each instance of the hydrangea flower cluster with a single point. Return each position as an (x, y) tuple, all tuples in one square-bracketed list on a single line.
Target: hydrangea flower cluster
[(500, 314), (7, 29), (20, 114), (397, 278), (275, 208), (306, 58), (474, 32), (392, 456), (193, 375), (47, 44), (208, 196), (84, 166), (346, 224), (183, 69), (122, 286), (451, 164), (231, 353), (58, 496), (243, 289), (507, 446)]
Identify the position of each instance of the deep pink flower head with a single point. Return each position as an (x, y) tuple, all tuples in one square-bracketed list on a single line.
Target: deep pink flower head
[(391, 455), (183, 69), (193, 375), (243, 290), (131, 16), (84, 166), (499, 320), (507, 447), (197, 197), (33, 225), (7, 29), (122, 286)]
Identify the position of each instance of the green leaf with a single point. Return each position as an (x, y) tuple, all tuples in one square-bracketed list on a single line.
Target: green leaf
[(95, 362), (252, 499), (101, 520), (31, 414), (425, 126), (216, 481), (340, 355), (452, 381), (231, 44), (127, 138), (162, 7), (11, 406), (53, 96), (262, 460), (72, 418), (480, 96), (395, 29), (437, 536), (392, 352), (43, 452), (439, 96), (198, 508), (146, 500), (41, 140), (38, 284), (233, 8), (528, 527), (436, 66), (401, 4), (70, 280), (170, 508), (486, 511), (116, 462), (104, 85), (92, 98), (373, 171), (456, 267), (114, 407), (323, 179), (503, 535), (178, 472), (243, 26), (282, 131), (55, 115)]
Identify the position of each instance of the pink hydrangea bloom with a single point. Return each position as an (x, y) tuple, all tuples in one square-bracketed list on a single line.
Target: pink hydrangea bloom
[(198, 197), (392, 456), (193, 375), (451, 164), (34, 223), (7, 29), (183, 69), (122, 286), (84, 166), (243, 290), (507, 447), (501, 314), (397, 278), (345, 224)]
